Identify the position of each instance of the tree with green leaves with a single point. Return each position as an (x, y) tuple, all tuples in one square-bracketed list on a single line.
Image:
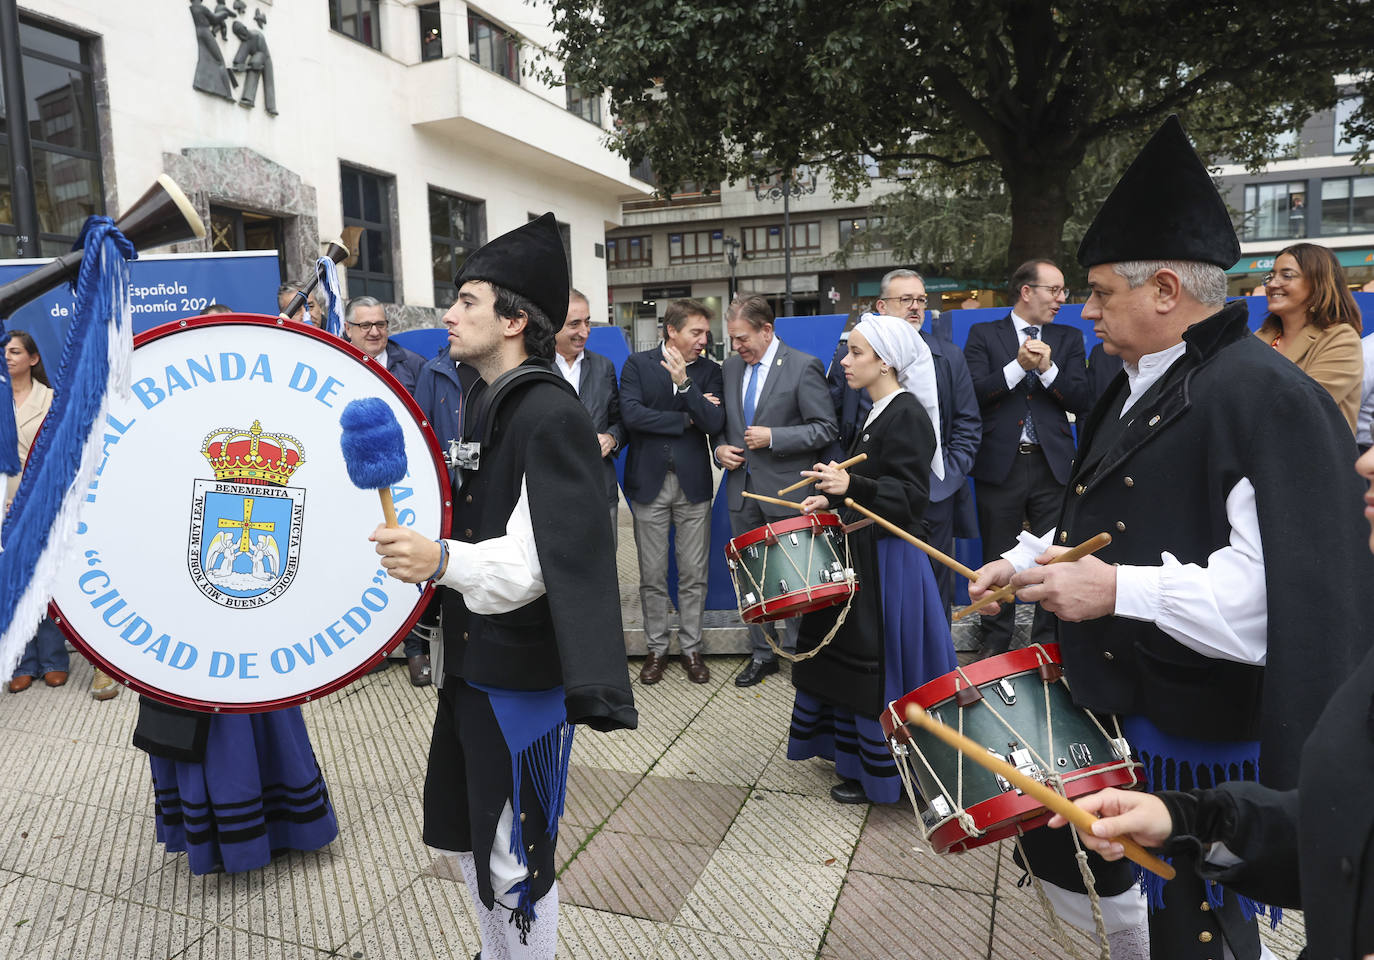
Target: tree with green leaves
[(1018, 109)]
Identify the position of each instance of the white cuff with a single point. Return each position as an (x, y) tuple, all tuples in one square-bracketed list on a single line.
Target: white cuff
[(1137, 592), (1048, 376), (1014, 374)]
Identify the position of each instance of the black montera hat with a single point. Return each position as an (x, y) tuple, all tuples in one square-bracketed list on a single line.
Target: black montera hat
[(530, 261), (1165, 207)]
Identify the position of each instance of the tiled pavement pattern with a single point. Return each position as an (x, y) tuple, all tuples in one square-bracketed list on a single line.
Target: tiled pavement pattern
[(692, 837)]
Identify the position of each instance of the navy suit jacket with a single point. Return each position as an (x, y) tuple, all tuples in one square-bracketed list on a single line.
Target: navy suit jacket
[(662, 425), (403, 364), (1102, 370), (597, 390), (961, 425), (990, 347)]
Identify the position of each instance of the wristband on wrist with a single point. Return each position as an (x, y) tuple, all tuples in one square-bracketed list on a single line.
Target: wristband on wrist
[(443, 560)]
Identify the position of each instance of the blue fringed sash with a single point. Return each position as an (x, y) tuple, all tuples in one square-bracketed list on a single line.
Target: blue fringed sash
[(535, 725), (328, 273), (1182, 763)]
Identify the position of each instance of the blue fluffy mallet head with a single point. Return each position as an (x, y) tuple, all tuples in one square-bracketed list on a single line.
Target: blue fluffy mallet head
[(374, 449)]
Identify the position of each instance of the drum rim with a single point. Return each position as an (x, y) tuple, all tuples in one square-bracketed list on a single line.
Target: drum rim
[(829, 592), (446, 510), (786, 525), (935, 692)]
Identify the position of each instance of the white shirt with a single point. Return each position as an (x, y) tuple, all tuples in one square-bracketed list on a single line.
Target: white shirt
[(381, 358), (501, 574), (1219, 610), (765, 364), (1015, 373), (1362, 421), (880, 406), (572, 372)]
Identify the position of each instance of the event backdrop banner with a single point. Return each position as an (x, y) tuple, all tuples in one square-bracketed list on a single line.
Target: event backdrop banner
[(162, 287), (223, 560)]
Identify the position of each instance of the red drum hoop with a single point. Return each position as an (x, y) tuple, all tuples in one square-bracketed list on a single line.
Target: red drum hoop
[(354, 624), (813, 593), (1010, 812)]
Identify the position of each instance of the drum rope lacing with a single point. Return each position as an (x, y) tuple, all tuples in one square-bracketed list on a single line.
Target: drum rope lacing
[(810, 555)]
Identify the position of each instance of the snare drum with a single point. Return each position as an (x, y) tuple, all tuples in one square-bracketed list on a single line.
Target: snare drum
[(1018, 706), (790, 567)]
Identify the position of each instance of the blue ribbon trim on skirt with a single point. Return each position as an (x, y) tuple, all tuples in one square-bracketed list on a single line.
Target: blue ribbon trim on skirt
[(1183, 763)]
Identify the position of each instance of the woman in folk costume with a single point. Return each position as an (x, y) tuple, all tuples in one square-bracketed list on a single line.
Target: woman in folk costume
[(895, 636), (233, 791)]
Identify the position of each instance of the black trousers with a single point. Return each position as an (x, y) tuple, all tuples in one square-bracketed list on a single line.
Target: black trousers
[(1028, 495)]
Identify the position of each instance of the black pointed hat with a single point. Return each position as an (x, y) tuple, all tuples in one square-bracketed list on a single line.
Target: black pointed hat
[(530, 261), (1164, 207)]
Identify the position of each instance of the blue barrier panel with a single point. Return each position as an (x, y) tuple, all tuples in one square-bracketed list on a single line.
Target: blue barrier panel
[(163, 287)]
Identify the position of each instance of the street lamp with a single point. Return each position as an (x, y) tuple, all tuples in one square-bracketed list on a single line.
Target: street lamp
[(732, 258), (786, 188)]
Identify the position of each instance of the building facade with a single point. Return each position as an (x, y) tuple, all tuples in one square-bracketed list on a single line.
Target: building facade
[(1314, 193), (414, 130)]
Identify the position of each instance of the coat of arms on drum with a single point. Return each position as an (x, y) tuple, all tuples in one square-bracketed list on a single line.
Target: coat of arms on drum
[(246, 523)]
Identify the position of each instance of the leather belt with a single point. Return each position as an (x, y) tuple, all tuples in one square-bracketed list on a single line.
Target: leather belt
[(1024, 447)]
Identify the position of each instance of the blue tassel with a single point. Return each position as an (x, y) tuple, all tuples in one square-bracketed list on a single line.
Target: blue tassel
[(9, 433), (44, 510)]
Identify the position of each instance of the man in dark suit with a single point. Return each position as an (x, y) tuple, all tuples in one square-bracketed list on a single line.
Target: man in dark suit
[(365, 326), (593, 377), (961, 426), (779, 421), (1029, 374), (1102, 370), (670, 398)]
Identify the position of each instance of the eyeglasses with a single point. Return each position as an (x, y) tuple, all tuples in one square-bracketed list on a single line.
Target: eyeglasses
[(906, 303), (1055, 291), (1287, 276), (370, 325)]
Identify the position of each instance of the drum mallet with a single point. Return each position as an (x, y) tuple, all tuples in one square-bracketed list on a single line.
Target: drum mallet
[(892, 528), (839, 466), (1031, 787), (780, 502), (1002, 594), (374, 449)]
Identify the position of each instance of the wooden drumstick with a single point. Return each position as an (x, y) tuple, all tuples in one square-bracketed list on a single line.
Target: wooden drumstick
[(1033, 788), (781, 503), (934, 554), (839, 466), (1002, 594)]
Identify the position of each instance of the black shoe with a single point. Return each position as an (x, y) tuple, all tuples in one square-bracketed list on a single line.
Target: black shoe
[(848, 791), (755, 672)]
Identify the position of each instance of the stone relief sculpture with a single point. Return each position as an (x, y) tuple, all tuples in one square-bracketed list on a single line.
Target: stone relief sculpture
[(253, 59), (212, 76)]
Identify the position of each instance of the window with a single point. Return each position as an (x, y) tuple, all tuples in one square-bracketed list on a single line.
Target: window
[(493, 47), (587, 106), (700, 246), (1345, 109), (359, 19), (367, 204), (866, 233), (64, 168), (1275, 211), (457, 227), (629, 252), (431, 32), (767, 241), (1348, 205)]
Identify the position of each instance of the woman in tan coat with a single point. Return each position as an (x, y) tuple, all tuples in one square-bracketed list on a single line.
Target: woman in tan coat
[(1313, 321)]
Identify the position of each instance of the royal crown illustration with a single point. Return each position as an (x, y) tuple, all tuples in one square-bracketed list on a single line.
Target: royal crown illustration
[(252, 456)]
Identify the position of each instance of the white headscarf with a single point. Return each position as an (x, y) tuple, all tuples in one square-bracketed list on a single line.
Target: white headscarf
[(898, 344)]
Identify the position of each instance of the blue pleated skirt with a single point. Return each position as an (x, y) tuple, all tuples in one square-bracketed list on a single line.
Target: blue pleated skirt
[(259, 791), (917, 647)]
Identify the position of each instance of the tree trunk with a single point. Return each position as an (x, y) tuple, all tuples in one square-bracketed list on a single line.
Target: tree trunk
[(1039, 210)]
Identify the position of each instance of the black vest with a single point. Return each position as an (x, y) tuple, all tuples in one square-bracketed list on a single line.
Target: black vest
[(514, 650), (1148, 481)]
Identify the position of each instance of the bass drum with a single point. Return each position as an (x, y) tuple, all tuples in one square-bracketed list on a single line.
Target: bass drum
[(223, 560)]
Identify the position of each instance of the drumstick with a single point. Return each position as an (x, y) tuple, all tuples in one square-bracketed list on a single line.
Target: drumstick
[(839, 466), (779, 502), (374, 449), (934, 554), (1007, 592), (1033, 788)]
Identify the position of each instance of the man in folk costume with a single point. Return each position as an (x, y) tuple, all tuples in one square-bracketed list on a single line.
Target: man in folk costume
[(533, 641), (1212, 626)]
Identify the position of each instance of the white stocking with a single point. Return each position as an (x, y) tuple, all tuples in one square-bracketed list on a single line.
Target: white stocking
[(542, 939), (491, 924)]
